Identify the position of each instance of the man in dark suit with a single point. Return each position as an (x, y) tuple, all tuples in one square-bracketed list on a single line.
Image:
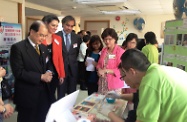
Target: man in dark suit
[(28, 62), (70, 50)]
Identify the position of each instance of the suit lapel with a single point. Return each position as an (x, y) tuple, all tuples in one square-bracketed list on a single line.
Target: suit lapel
[(33, 55), (43, 56), (72, 41)]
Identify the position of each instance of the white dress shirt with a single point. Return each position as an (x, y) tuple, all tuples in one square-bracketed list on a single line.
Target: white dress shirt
[(82, 52)]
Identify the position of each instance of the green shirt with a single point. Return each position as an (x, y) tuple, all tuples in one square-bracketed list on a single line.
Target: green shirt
[(163, 95), (151, 52)]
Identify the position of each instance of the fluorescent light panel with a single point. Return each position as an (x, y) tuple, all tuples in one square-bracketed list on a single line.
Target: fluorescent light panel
[(99, 1), (122, 12)]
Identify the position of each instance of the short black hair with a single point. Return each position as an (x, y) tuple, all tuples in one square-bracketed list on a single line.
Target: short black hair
[(133, 58), (93, 39), (89, 33), (35, 26), (86, 38), (110, 32), (150, 37), (130, 37), (67, 19), (49, 18)]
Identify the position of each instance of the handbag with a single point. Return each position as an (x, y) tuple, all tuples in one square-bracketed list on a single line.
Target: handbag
[(6, 89)]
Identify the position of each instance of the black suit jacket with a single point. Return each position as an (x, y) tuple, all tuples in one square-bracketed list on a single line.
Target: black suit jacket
[(27, 67), (70, 57)]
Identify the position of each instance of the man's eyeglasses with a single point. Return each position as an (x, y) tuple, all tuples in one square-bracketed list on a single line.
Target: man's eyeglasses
[(69, 25), (122, 71), (41, 35)]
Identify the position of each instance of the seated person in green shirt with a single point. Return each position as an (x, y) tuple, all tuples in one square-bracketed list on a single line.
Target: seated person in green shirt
[(150, 50), (162, 89)]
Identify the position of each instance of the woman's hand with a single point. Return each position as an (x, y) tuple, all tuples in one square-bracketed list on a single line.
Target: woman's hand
[(94, 63), (61, 81), (101, 73)]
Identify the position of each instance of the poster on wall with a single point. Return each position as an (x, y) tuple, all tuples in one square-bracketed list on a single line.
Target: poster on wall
[(9, 34)]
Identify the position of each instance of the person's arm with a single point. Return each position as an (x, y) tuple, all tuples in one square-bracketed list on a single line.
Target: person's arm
[(148, 112), (127, 97), (83, 51), (115, 118)]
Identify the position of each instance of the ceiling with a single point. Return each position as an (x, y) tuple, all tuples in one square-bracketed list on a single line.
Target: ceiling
[(147, 7)]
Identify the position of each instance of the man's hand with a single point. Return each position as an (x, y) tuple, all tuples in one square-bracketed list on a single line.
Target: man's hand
[(113, 94), (47, 77), (9, 111), (61, 81)]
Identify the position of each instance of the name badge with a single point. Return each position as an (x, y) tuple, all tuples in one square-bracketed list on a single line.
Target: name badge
[(112, 56), (47, 59), (75, 45), (56, 41)]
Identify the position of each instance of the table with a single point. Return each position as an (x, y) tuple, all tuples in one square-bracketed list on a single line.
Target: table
[(93, 102)]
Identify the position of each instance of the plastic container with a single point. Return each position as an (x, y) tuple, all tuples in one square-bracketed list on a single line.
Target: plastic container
[(110, 100)]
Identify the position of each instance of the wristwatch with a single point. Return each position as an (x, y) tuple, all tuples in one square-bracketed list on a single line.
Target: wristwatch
[(107, 72), (4, 110)]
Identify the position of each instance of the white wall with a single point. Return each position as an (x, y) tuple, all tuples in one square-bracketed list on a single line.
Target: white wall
[(9, 11), (153, 23)]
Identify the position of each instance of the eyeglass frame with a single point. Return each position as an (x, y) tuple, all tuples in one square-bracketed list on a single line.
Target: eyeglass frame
[(123, 72)]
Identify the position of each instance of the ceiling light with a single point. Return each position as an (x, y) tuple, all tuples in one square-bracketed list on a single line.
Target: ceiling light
[(99, 1), (121, 12)]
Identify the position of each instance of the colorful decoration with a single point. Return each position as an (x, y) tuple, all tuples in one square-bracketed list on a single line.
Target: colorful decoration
[(122, 33)]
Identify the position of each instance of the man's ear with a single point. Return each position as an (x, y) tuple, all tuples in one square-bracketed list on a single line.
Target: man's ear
[(132, 71), (32, 32)]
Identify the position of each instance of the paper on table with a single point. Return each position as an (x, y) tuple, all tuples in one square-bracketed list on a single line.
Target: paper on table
[(62, 106), (90, 66)]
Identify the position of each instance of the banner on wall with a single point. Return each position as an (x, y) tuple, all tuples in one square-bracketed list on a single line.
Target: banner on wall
[(9, 34)]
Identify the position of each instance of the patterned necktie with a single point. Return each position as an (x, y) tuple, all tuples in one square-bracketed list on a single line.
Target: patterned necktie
[(67, 43), (37, 49)]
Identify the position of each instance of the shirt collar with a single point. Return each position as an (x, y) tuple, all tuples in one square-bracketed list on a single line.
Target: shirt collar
[(65, 33), (31, 42)]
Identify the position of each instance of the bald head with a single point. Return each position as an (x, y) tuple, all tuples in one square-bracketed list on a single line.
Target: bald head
[(38, 32)]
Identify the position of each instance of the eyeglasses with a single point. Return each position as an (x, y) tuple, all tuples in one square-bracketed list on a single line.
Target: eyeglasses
[(123, 73), (41, 35), (109, 39), (69, 25)]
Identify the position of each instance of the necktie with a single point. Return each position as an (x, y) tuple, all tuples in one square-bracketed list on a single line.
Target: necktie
[(67, 43), (37, 49)]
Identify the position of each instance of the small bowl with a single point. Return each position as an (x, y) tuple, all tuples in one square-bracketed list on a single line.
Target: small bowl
[(110, 100)]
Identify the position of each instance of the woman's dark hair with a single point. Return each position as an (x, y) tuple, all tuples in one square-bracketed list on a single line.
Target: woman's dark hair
[(67, 19), (110, 32), (129, 38), (86, 38), (49, 18), (140, 44), (150, 37), (133, 58), (95, 38)]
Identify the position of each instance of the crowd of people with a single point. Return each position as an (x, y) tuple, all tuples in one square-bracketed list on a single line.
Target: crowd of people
[(46, 62)]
